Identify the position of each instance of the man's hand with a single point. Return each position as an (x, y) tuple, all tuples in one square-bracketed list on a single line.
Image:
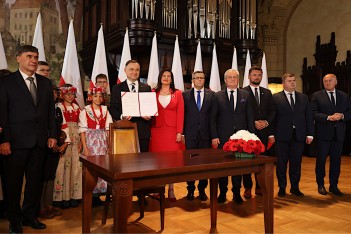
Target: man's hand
[(271, 139), (63, 147), (335, 117), (215, 143), (0, 129), (146, 117), (178, 137), (309, 140), (5, 148), (261, 124), (127, 117), (52, 142)]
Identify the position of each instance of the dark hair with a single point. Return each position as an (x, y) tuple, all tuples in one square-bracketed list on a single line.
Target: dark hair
[(43, 63), (255, 68), (26, 48), (159, 84), (132, 61), (4, 72), (101, 76)]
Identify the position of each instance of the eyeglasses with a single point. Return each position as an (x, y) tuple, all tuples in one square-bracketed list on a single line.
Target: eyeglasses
[(199, 78), (44, 70)]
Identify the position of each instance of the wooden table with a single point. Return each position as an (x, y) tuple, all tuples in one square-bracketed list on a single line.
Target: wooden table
[(126, 172)]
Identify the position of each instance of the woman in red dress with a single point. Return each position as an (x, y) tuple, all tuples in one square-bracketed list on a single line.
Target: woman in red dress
[(167, 127)]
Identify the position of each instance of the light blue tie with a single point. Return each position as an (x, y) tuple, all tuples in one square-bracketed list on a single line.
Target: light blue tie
[(198, 101)]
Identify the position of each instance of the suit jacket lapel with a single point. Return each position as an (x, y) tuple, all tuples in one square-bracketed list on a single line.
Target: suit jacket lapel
[(192, 98), (327, 96), (23, 86), (124, 86), (40, 89)]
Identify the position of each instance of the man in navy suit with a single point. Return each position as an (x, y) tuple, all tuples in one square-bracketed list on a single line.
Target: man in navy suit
[(293, 127), (198, 103), (131, 84), (27, 117), (232, 113), (331, 109), (264, 112)]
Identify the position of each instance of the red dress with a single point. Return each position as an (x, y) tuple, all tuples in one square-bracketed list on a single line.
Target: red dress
[(167, 124)]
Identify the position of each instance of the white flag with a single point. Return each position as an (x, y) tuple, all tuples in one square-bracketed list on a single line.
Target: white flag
[(235, 60), (198, 59), (264, 82), (70, 69), (177, 67), (246, 80), (215, 82), (100, 64), (38, 39), (3, 62), (125, 57), (154, 68)]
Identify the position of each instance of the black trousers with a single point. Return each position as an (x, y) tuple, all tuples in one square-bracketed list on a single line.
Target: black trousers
[(289, 152), (197, 144), (144, 145), (334, 149), (28, 163)]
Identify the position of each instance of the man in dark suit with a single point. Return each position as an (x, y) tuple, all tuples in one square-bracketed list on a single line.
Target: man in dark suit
[(198, 103), (28, 122), (293, 127), (264, 112), (131, 84), (331, 109), (233, 112)]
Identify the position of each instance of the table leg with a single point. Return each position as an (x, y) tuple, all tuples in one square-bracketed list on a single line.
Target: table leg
[(122, 192), (89, 182), (266, 181), (213, 202)]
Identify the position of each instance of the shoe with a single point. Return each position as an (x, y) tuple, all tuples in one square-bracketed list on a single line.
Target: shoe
[(190, 196), (296, 192), (55, 211), (221, 198), (46, 213), (237, 198), (281, 192), (247, 193), (203, 196), (259, 192), (96, 201), (322, 190), (171, 196), (335, 191), (15, 228), (35, 224)]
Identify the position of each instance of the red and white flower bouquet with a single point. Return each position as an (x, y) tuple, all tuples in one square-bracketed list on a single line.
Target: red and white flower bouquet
[(244, 145)]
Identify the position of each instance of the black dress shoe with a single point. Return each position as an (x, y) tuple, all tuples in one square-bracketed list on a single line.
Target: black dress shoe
[(203, 196), (335, 191), (322, 190), (238, 199), (281, 192), (190, 196), (15, 228), (221, 198), (35, 224), (296, 192)]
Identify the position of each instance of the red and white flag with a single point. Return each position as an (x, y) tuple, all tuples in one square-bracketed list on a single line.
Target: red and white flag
[(38, 39), (154, 68), (215, 81), (3, 61), (70, 69), (125, 57), (264, 82), (246, 80), (100, 63), (177, 67), (235, 60)]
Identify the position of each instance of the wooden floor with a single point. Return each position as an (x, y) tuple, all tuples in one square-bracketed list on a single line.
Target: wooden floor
[(313, 213)]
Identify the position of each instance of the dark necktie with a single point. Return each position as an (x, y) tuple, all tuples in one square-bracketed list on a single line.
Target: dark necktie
[(33, 89), (256, 96), (133, 88), (332, 98), (292, 103), (198, 100), (231, 100)]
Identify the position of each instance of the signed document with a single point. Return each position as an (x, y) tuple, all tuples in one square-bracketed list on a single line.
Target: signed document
[(139, 104)]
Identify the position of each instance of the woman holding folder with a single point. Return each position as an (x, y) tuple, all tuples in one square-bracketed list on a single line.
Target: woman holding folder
[(167, 127)]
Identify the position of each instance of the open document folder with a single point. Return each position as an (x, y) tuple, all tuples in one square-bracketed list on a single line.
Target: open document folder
[(139, 104)]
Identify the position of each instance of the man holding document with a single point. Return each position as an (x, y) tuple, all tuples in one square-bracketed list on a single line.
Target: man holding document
[(131, 109)]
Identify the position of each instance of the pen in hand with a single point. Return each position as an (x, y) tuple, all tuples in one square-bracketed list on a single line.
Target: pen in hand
[(192, 155)]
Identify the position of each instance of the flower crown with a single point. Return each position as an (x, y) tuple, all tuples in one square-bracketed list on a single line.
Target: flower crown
[(96, 90), (71, 89)]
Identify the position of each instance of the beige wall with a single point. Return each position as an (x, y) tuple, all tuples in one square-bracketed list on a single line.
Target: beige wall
[(312, 18)]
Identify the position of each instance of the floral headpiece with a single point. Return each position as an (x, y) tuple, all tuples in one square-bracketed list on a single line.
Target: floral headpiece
[(97, 90), (71, 89)]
